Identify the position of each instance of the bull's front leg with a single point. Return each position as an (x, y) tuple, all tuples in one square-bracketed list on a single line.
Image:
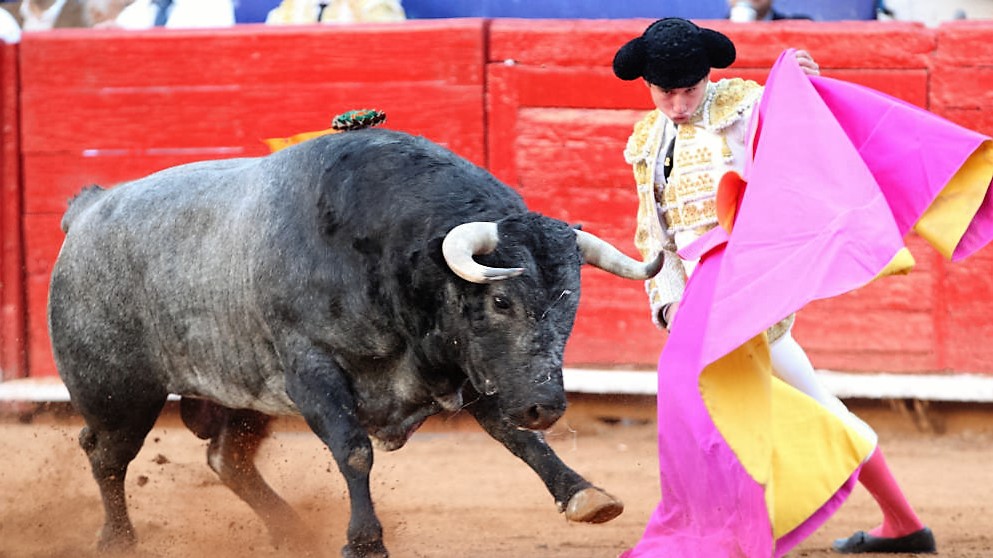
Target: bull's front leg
[(318, 387), (574, 495)]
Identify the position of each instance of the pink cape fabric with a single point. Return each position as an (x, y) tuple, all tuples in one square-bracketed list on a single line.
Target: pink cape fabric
[(839, 174)]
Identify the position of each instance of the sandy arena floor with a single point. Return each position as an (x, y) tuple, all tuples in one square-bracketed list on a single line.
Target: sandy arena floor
[(452, 491)]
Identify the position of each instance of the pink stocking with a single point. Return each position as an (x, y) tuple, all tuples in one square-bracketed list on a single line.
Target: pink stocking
[(899, 518)]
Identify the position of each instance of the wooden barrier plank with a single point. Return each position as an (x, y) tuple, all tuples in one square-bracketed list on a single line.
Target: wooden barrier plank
[(206, 117), (895, 45), (502, 106), (615, 310), (42, 240), (835, 45), (52, 179), (564, 147), (963, 43), (13, 362), (55, 175), (40, 361), (977, 119), (958, 87), (598, 88), (282, 57), (967, 289), (890, 340)]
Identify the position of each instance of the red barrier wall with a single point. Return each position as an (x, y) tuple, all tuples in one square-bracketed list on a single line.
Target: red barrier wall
[(534, 100), (962, 91), (12, 310)]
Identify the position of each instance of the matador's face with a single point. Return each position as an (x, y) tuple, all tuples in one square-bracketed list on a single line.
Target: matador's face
[(679, 104)]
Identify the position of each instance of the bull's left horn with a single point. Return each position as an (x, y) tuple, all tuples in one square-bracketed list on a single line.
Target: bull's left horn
[(469, 239), (600, 253)]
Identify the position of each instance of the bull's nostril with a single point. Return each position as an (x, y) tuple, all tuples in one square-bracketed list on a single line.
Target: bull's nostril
[(533, 414), (540, 417)]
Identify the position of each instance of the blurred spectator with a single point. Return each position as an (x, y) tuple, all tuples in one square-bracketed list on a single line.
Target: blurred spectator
[(934, 14), (757, 10), (41, 15), (10, 31), (253, 11), (336, 11), (100, 11), (145, 14), (883, 10)]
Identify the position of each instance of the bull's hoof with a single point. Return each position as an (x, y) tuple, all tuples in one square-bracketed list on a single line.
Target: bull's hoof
[(365, 550), (592, 505)]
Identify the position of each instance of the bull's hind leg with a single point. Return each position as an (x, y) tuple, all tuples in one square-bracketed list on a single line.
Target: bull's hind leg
[(235, 437), (112, 437), (574, 495)]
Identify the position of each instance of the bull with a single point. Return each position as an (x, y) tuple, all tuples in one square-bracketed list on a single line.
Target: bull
[(364, 280)]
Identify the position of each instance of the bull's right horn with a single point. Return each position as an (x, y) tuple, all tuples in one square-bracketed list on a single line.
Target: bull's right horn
[(465, 241), (600, 253)]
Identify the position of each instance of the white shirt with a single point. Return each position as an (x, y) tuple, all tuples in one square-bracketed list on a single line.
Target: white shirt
[(10, 32), (336, 11), (40, 22), (183, 14)]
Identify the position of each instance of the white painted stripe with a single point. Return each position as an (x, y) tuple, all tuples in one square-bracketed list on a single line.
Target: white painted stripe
[(39, 390), (928, 387), (583, 380), (846, 385), (35, 390)]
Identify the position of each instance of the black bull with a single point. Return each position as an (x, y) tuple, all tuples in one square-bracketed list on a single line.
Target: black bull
[(365, 280)]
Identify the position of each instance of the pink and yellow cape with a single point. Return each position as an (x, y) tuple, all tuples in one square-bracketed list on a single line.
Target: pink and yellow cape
[(838, 175)]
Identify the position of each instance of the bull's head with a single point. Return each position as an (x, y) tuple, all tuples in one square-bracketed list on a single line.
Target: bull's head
[(480, 237), (519, 324)]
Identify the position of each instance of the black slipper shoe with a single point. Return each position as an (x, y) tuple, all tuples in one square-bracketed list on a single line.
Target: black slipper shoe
[(918, 542)]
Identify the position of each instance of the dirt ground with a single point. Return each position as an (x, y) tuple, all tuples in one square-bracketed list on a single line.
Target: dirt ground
[(452, 491)]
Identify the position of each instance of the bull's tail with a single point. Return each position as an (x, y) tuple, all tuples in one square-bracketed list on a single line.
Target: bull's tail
[(79, 202)]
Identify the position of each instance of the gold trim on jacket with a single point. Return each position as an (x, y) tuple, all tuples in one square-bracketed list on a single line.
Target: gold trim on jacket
[(725, 104)]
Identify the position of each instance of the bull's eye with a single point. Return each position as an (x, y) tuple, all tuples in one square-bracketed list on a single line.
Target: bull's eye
[(501, 303)]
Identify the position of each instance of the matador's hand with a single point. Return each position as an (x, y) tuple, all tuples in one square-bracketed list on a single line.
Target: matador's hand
[(807, 63), (669, 313)]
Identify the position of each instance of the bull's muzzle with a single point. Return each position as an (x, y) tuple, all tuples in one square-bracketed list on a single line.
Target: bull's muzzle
[(540, 413)]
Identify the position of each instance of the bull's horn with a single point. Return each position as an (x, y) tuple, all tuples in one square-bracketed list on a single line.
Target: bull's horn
[(600, 253), (465, 241)]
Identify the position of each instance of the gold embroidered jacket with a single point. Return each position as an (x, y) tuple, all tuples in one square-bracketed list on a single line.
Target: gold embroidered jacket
[(674, 212)]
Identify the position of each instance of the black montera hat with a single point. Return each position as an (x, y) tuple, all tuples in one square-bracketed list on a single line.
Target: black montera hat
[(673, 53)]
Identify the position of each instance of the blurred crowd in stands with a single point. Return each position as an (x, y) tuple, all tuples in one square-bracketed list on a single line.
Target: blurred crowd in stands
[(34, 15)]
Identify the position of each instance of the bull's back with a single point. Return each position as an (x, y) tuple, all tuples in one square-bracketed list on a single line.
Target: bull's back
[(179, 274), (152, 281)]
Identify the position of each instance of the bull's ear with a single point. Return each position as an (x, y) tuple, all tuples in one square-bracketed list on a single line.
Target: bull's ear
[(427, 271), (435, 254), (577, 226)]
